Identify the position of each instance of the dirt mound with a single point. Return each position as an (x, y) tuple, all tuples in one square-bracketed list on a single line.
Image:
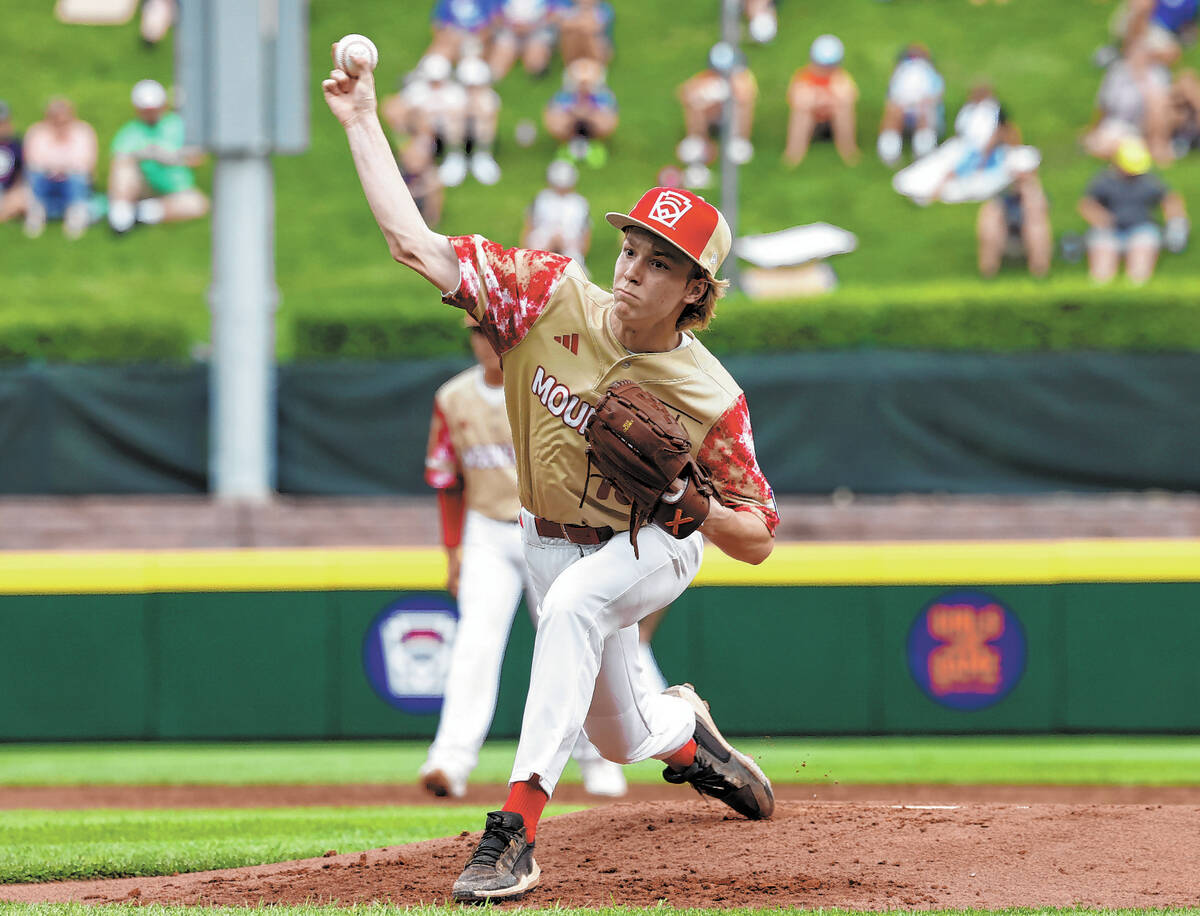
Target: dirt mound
[(690, 854), (67, 798)]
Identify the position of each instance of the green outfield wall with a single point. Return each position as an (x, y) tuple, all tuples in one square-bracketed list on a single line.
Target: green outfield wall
[(872, 421), (1052, 636)]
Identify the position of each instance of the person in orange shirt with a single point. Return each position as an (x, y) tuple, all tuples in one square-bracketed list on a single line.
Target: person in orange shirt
[(822, 96), (60, 158)]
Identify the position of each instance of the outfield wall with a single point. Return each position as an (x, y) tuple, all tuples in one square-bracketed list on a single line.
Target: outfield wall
[(822, 639), (872, 421)]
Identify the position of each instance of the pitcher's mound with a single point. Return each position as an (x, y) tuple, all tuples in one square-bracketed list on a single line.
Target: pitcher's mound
[(811, 854)]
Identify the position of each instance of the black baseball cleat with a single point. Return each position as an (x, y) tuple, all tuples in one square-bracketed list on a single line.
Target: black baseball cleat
[(502, 866), (719, 770)]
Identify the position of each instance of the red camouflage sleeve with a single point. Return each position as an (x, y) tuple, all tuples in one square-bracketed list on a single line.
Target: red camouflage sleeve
[(504, 289), (728, 454), (442, 470)]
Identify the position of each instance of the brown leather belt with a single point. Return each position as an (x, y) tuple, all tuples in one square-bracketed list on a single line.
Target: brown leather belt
[(576, 534)]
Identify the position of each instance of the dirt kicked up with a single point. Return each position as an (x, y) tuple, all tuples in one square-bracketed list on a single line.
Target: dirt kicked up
[(894, 846)]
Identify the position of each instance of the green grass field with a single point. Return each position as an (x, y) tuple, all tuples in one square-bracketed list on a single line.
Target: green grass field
[(56, 845), (329, 251), (1083, 760)]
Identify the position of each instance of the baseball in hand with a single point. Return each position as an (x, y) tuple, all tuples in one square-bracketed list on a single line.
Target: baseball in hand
[(359, 46)]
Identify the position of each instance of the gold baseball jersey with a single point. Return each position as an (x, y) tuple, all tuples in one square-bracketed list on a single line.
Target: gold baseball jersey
[(470, 440), (550, 325)]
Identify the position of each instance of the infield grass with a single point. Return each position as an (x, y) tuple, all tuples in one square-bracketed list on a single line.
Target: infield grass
[(1063, 760), (63, 845)]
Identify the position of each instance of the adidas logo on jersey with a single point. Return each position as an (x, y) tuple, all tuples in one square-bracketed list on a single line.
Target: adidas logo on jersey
[(557, 398), (570, 341)]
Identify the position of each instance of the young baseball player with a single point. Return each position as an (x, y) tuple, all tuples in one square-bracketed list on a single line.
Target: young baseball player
[(470, 462), (565, 341)]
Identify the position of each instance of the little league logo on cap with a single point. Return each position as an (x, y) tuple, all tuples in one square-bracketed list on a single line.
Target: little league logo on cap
[(669, 208), (684, 219)]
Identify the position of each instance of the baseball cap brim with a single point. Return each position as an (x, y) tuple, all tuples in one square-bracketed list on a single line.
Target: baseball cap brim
[(623, 221)]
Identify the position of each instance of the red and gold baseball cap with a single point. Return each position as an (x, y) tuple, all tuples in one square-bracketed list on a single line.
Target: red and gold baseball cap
[(686, 220)]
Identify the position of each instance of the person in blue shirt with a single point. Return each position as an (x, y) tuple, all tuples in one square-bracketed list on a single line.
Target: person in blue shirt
[(1165, 26), (13, 192), (462, 28), (583, 113), (527, 29)]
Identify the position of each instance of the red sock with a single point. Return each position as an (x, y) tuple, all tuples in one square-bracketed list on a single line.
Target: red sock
[(684, 757), (527, 799)]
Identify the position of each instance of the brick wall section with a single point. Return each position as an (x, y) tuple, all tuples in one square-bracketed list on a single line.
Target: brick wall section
[(100, 523)]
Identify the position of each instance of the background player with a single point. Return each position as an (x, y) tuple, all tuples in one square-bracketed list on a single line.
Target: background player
[(592, 585), (470, 462)]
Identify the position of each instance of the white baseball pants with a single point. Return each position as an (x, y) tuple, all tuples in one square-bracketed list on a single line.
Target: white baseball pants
[(491, 580), (587, 669)]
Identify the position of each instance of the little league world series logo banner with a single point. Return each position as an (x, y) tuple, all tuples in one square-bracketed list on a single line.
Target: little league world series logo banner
[(966, 650), (406, 652)]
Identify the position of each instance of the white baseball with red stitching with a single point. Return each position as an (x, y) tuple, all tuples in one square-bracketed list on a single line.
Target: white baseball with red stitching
[(355, 46)]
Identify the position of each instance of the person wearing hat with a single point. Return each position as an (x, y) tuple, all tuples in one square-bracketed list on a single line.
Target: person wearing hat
[(13, 191), (821, 97), (559, 218), (150, 178), (1119, 206), (564, 341)]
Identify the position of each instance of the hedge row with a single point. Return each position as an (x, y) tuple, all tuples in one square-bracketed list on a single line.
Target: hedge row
[(92, 338), (1003, 317), (1000, 317)]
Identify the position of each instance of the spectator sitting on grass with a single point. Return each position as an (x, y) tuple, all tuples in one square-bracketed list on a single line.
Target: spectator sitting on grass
[(461, 28), (1016, 224), (13, 192), (1184, 114), (703, 100), (1120, 205), (913, 106), (582, 114), (822, 96), (157, 18), (761, 20), (527, 29), (60, 160), (1133, 101), (558, 219), (457, 112), (585, 32), (150, 179), (1165, 26)]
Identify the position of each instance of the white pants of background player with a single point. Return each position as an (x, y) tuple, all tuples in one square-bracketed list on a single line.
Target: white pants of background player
[(587, 667), (491, 580)]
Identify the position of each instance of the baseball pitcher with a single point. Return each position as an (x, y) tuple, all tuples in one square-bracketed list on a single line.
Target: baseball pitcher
[(633, 445), (471, 465)]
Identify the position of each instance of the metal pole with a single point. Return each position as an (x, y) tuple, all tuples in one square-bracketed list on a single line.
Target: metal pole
[(731, 33), (243, 299)]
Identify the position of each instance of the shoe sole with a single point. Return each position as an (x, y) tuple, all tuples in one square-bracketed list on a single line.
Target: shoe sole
[(522, 887), (688, 692), (438, 783)]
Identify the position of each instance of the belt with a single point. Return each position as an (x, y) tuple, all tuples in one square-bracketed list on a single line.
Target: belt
[(576, 534)]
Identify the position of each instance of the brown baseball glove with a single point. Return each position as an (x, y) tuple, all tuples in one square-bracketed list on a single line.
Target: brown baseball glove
[(644, 452)]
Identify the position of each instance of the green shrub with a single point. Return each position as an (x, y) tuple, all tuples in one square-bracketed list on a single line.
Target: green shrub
[(1021, 315), (58, 337)]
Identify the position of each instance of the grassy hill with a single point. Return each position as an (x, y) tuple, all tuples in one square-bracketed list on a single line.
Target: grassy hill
[(330, 255)]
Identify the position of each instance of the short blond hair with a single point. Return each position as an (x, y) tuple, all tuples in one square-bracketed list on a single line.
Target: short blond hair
[(697, 315)]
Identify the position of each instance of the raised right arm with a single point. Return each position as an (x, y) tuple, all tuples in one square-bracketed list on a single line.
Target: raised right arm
[(410, 241)]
